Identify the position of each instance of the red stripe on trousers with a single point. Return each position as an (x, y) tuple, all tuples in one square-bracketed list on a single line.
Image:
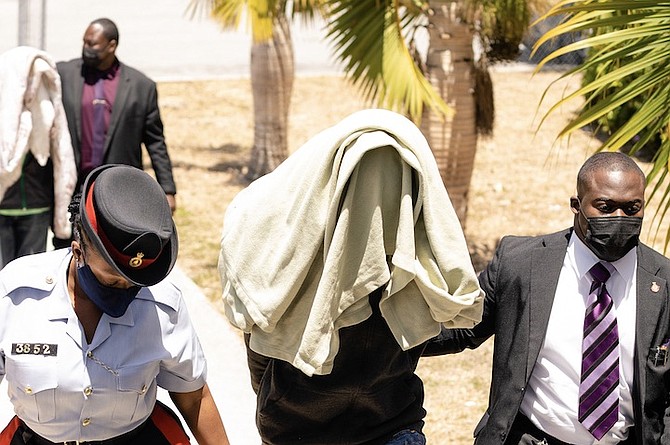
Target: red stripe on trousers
[(8, 433), (167, 425)]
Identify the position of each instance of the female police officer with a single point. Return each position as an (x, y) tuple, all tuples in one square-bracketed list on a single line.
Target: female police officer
[(88, 333)]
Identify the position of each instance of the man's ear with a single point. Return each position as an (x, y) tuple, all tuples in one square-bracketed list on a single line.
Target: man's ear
[(574, 204)]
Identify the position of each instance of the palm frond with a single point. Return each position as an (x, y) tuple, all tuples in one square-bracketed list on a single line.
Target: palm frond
[(370, 39), (260, 15), (630, 51), (306, 10), (227, 13), (501, 24)]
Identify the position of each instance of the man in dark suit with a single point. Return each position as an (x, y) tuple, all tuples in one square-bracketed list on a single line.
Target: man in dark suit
[(112, 109), (581, 324)]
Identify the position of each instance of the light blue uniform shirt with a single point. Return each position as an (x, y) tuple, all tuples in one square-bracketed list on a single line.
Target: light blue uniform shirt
[(65, 389)]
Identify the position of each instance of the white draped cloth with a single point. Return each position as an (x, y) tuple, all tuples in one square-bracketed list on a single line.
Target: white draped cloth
[(32, 118), (359, 206)]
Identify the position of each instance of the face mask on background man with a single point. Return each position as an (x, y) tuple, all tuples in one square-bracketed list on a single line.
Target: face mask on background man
[(92, 58)]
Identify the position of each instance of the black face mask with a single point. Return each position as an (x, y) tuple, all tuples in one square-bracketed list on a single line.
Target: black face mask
[(91, 57), (612, 237), (113, 301)]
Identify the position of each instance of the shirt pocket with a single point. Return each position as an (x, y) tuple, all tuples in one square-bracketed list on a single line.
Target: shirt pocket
[(135, 384), (32, 389)]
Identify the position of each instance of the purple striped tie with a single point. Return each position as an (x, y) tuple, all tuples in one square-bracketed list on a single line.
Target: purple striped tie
[(599, 386)]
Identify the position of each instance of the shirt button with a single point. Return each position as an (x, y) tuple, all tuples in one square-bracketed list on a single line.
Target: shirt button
[(144, 389), (28, 390), (89, 354), (86, 421), (49, 279), (88, 391)]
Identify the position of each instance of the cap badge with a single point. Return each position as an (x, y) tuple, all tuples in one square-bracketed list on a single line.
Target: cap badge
[(136, 261)]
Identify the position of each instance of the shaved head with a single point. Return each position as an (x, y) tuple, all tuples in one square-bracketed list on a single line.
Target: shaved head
[(109, 29), (606, 161)]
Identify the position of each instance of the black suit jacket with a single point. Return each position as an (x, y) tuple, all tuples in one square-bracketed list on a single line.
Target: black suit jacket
[(135, 121), (520, 284)]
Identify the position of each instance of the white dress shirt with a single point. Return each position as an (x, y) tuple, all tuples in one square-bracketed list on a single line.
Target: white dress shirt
[(65, 389), (551, 400)]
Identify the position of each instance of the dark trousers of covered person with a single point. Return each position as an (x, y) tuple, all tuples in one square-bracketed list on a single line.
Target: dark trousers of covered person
[(23, 235), (162, 428), (26, 211)]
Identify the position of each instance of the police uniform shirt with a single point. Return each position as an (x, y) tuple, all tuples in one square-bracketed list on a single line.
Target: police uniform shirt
[(65, 389)]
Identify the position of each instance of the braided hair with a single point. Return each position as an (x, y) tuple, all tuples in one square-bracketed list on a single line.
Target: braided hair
[(75, 217)]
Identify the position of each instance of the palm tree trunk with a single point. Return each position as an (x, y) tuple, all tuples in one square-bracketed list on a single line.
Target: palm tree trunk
[(450, 65), (272, 75)]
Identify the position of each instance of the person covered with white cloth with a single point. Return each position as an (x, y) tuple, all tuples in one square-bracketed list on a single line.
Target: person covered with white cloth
[(37, 168), (88, 333), (339, 266)]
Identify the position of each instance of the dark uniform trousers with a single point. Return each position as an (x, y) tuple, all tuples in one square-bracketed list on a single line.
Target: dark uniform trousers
[(162, 428)]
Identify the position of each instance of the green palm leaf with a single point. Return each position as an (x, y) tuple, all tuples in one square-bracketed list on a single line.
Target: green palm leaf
[(370, 39), (630, 46), (260, 14)]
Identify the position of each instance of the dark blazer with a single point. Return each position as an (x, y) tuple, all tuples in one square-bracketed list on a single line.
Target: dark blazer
[(135, 121), (520, 283)]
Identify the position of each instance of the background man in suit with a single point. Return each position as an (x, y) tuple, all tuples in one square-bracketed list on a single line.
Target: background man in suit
[(542, 309), (112, 109)]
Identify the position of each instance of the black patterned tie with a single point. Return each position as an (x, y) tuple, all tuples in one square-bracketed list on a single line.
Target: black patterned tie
[(599, 385), (99, 129)]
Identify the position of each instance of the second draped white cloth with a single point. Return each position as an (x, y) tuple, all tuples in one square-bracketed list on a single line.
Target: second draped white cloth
[(32, 118)]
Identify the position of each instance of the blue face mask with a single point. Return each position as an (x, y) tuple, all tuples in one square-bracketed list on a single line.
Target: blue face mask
[(113, 301)]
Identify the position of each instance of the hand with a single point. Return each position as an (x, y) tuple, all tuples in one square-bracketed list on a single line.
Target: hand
[(172, 201)]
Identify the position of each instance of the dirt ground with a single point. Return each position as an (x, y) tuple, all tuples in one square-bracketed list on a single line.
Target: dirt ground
[(522, 182)]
